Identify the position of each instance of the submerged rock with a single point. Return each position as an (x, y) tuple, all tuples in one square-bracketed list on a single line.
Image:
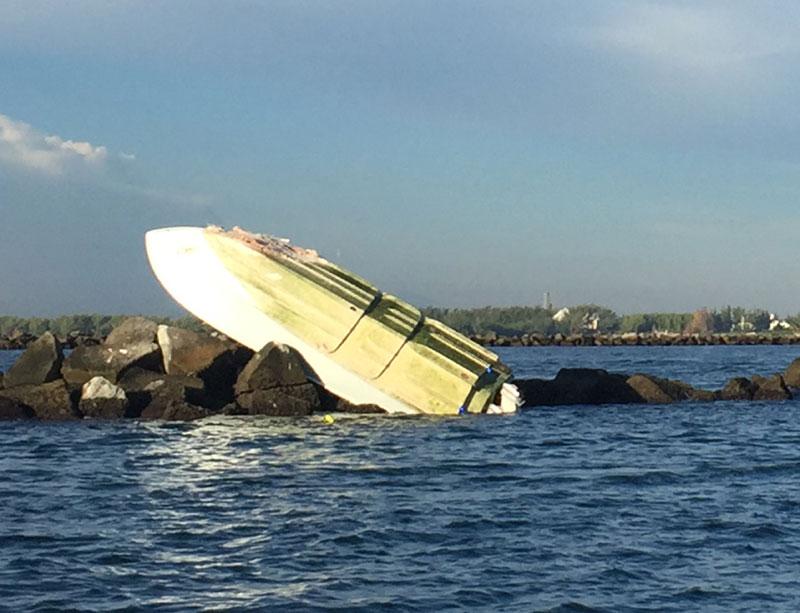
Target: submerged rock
[(40, 363)]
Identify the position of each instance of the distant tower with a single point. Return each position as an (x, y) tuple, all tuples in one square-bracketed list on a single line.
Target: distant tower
[(546, 303)]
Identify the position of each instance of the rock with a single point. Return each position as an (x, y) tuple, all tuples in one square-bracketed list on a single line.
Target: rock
[(217, 362), (40, 363), (578, 386), (109, 362), (771, 388), (738, 388), (655, 390), (179, 411), (151, 399), (101, 399), (701, 395), (133, 331), (11, 409), (49, 401), (186, 352), (649, 390), (534, 392), (292, 400), (331, 403), (275, 365), (792, 375)]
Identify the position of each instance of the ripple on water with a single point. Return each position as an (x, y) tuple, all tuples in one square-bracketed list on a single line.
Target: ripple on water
[(572, 509)]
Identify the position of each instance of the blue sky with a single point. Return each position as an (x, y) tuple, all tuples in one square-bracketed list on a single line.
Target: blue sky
[(642, 155)]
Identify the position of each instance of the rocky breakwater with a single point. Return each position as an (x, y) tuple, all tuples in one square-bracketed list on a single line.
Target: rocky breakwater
[(632, 339), (588, 386), (144, 370)]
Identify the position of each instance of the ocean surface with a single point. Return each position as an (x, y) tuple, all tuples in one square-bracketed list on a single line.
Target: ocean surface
[(692, 507)]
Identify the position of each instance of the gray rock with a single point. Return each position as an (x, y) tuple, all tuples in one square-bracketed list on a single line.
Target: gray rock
[(738, 388), (294, 400), (11, 409), (577, 386), (169, 390), (275, 365), (133, 331), (792, 375), (109, 362), (186, 352), (656, 390), (176, 411), (101, 399), (771, 388), (217, 362), (49, 401), (40, 363), (331, 403)]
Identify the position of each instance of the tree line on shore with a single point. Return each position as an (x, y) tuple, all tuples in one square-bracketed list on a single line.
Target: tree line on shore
[(520, 320), (515, 320), (95, 325)]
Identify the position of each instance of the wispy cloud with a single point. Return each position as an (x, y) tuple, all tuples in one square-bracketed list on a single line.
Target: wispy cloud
[(23, 145), (694, 37)]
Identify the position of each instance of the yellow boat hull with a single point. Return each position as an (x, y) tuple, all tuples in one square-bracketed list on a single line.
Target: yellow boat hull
[(363, 345)]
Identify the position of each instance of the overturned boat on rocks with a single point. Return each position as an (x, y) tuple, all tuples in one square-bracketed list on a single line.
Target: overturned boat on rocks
[(363, 345)]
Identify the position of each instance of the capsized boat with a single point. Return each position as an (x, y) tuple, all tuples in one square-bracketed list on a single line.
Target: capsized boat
[(364, 345)]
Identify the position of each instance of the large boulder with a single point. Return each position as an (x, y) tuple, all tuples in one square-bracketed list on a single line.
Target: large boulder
[(578, 386), (152, 399), (792, 375), (274, 366), (11, 409), (274, 382), (649, 389), (183, 411), (217, 362), (331, 403), (133, 331), (40, 363), (771, 388), (49, 401), (109, 362), (101, 399), (656, 390), (738, 388), (286, 401)]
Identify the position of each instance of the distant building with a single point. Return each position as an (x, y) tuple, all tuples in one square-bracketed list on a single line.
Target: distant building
[(561, 315), (546, 303), (778, 324)]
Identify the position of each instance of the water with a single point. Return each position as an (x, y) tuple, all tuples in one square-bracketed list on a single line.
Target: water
[(616, 508)]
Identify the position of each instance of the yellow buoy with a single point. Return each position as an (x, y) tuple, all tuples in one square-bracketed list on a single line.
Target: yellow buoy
[(328, 419)]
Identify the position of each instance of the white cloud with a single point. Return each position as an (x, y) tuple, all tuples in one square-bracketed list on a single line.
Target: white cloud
[(23, 145), (694, 37)]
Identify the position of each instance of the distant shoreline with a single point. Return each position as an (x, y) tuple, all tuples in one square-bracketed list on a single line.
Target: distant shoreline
[(634, 339), (22, 341)]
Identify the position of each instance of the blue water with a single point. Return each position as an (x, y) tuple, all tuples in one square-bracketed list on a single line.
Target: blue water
[(616, 508)]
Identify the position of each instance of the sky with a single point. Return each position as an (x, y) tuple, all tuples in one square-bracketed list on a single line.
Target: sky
[(640, 155)]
